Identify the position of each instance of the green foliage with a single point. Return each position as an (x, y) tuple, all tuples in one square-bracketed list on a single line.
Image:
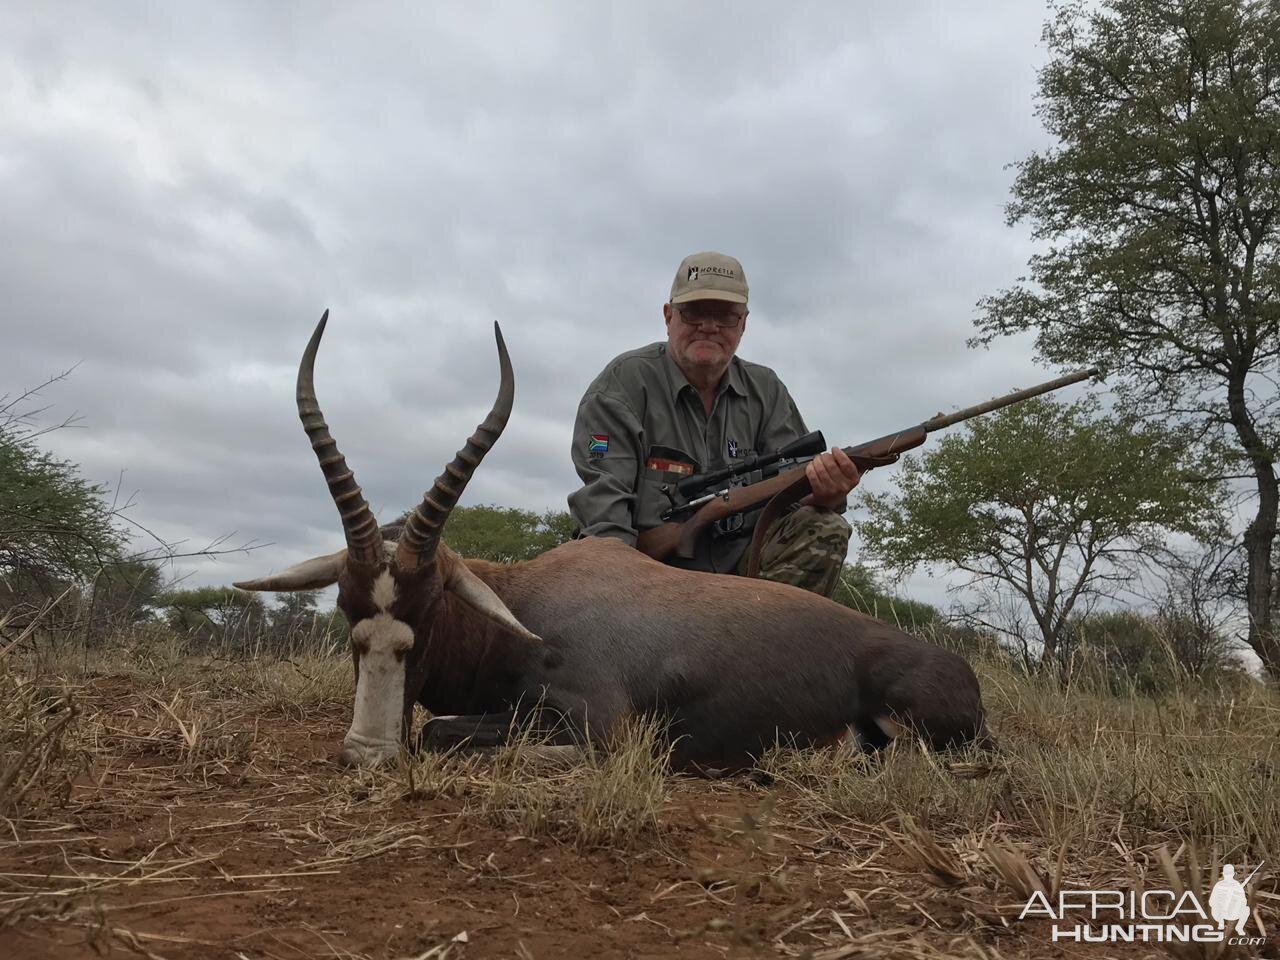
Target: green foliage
[(209, 612), (295, 622), (54, 525), (1159, 196), (1048, 501), (1129, 652), (237, 620), (859, 589), (1160, 205), (505, 534), (125, 592), (59, 539), (293, 609), (1127, 642)]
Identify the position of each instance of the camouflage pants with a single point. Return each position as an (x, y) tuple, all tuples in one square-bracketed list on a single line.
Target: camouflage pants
[(806, 548)]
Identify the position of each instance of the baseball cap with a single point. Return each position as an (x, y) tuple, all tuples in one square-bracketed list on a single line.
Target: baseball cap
[(709, 276)]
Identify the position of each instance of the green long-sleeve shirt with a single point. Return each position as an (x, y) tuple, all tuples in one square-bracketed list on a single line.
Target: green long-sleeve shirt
[(641, 425)]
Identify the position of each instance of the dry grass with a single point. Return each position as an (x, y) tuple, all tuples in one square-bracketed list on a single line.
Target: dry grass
[(1077, 770), (1200, 766), (38, 761), (37, 764), (585, 796), (910, 854), (904, 779)]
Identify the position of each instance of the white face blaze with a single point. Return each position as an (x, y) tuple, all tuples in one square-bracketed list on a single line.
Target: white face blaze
[(384, 591), (375, 728)]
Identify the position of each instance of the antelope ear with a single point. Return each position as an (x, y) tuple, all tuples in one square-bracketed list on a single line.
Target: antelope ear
[(307, 575), (477, 594)]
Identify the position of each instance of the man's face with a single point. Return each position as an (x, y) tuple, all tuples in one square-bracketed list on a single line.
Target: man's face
[(704, 333)]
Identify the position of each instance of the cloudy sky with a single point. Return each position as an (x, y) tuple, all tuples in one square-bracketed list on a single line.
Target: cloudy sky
[(184, 188)]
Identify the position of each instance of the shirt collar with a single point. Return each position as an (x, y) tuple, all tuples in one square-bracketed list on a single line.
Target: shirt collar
[(733, 378)]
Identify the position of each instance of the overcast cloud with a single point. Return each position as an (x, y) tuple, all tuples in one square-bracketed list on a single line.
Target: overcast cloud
[(184, 188)]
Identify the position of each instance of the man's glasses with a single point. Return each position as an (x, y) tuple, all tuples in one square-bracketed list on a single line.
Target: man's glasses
[(697, 316)]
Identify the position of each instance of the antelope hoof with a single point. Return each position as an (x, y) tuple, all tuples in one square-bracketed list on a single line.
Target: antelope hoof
[(358, 752)]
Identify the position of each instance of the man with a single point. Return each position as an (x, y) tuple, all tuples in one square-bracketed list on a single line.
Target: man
[(1228, 902), (690, 405)]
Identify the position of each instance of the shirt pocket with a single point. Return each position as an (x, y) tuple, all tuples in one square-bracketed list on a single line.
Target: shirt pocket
[(663, 468)]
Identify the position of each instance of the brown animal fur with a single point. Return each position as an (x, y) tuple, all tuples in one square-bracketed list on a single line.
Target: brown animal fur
[(733, 664)]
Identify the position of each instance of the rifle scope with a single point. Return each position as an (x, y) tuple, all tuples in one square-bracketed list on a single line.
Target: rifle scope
[(810, 445)]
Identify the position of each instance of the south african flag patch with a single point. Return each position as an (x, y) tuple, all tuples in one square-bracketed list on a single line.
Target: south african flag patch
[(599, 443)]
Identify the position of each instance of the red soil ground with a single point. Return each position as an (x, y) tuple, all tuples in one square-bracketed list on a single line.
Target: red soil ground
[(281, 855)]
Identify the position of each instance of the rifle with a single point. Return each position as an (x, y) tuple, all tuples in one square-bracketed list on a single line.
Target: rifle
[(769, 465), (680, 537)]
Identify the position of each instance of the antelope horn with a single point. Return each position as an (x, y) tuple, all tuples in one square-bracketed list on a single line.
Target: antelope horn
[(364, 541), (421, 534)]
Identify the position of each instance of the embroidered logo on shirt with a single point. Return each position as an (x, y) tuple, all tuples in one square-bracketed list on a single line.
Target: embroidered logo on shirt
[(733, 448), (598, 445)]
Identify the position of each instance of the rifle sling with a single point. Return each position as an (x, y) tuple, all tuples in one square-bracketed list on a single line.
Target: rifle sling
[(772, 510), (793, 492)]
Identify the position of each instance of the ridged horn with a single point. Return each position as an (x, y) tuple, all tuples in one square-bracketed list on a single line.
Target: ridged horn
[(364, 541), (421, 534)]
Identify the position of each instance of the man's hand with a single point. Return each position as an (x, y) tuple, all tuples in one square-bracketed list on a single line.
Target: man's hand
[(831, 476)]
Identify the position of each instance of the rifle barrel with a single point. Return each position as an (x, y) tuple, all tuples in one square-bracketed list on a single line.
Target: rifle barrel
[(940, 421)]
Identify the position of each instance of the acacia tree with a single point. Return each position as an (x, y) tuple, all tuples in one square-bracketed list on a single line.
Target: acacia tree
[(1044, 504), (214, 612), (1160, 203), (293, 611), (505, 534), (54, 525)]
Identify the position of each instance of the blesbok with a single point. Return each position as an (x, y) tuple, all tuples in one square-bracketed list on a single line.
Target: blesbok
[(594, 632)]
